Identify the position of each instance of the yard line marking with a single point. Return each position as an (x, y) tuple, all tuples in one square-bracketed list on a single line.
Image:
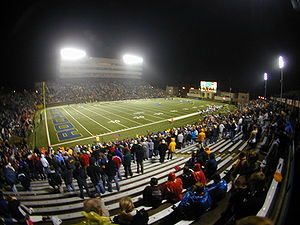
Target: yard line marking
[(112, 132), (47, 129), (112, 106), (92, 120), (105, 117), (78, 122), (118, 115)]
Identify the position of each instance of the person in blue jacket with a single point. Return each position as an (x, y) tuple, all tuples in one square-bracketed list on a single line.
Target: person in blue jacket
[(195, 202), (217, 189)]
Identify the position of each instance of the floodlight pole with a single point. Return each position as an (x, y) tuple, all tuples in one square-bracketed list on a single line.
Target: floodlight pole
[(281, 82), (44, 94), (265, 88)]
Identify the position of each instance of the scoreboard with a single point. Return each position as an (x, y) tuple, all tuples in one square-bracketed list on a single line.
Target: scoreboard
[(208, 86)]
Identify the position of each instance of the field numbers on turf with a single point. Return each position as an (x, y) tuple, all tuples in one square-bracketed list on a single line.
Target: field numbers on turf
[(159, 113), (138, 117), (185, 109), (173, 111), (114, 121)]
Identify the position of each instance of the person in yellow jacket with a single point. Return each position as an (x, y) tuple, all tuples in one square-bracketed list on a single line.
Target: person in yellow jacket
[(201, 137), (171, 147)]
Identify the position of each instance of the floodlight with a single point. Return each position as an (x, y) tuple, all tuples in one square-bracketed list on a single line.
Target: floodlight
[(281, 62), (265, 76), (132, 59), (72, 54)]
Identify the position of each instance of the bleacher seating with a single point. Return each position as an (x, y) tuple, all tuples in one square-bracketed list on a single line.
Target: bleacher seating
[(67, 206)]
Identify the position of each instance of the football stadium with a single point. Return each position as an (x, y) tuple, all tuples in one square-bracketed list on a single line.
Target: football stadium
[(102, 142)]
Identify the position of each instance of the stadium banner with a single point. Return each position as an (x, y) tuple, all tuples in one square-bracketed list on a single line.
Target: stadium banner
[(208, 86)]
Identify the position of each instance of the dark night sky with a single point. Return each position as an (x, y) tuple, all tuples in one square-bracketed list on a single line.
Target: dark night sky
[(182, 42)]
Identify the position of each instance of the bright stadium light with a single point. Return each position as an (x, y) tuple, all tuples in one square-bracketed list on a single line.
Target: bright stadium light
[(280, 62), (72, 54), (265, 76), (132, 59)]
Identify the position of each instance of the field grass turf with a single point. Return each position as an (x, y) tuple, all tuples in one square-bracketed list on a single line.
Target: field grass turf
[(117, 120)]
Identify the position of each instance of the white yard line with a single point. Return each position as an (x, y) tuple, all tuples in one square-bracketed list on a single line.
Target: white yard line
[(47, 129), (92, 119), (78, 122), (105, 117), (112, 132), (112, 107), (118, 115), (140, 108)]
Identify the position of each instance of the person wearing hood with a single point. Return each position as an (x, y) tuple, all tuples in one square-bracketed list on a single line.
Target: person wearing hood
[(199, 174), (194, 203), (171, 147), (217, 189), (173, 188)]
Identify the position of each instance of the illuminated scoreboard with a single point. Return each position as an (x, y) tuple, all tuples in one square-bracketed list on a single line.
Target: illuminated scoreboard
[(208, 86)]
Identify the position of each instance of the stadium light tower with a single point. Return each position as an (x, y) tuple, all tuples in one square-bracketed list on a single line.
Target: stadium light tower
[(265, 78), (281, 65), (132, 59), (72, 54)]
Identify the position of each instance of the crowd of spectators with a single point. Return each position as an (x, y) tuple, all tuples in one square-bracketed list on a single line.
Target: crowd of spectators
[(16, 114), (99, 89), (102, 161)]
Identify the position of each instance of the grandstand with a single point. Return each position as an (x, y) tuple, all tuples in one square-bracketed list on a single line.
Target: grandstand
[(100, 68), (100, 114)]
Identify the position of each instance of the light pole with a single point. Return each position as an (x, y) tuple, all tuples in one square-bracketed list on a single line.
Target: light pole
[(281, 65), (265, 78)]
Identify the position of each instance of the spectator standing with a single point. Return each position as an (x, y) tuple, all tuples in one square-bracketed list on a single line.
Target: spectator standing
[(55, 180), (118, 161), (127, 163), (80, 175), (67, 176), (85, 159), (201, 138), (171, 148), (45, 164), (94, 172), (180, 140), (140, 158), (111, 171), (162, 149)]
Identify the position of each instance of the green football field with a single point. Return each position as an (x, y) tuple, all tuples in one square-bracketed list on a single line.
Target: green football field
[(73, 124)]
